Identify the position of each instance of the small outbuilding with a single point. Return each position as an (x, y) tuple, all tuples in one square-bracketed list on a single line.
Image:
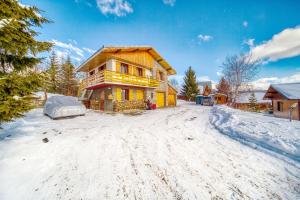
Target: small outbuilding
[(285, 98), (243, 100), (220, 98)]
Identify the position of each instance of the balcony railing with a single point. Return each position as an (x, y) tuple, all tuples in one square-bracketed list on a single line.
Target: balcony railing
[(112, 77)]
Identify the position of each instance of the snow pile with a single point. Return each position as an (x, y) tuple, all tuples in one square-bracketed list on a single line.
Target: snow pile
[(259, 130), (63, 106)]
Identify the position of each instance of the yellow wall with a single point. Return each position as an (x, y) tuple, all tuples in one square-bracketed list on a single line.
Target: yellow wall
[(160, 99), (139, 94), (171, 99), (131, 96), (140, 57), (119, 94)]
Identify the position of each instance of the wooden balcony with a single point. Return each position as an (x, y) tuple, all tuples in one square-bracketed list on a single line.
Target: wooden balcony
[(112, 77)]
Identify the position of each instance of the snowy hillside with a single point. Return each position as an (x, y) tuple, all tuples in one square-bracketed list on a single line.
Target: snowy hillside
[(259, 130), (172, 153)]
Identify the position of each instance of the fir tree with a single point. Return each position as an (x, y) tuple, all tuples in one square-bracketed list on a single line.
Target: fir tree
[(18, 50), (190, 87), (52, 74), (68, 80), (253, 103)]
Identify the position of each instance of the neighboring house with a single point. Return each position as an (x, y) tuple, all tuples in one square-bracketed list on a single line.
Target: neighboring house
[(243, 103), (220, 98), (203, 84), (284, 96), (120, 78)]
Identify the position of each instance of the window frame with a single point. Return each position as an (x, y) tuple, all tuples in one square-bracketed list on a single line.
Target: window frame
[(125, 94), (279, 106), (139, 71), (123, 67)]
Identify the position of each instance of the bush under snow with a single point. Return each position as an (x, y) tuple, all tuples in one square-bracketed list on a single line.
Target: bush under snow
[(259, 130)]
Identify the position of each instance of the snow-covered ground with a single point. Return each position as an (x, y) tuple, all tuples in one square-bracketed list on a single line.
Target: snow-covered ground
[(274, 135), (172, 153)]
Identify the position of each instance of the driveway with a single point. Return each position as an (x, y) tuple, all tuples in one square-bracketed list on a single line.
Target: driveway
[(172, 153)]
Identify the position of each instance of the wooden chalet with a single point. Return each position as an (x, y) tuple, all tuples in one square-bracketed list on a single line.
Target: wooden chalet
[(120, 78), (283, 97)]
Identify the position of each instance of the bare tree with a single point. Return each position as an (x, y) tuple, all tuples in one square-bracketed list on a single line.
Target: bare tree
[(174, 83), (238, 71)]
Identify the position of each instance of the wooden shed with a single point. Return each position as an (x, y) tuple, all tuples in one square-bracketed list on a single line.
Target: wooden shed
[(284, 96)]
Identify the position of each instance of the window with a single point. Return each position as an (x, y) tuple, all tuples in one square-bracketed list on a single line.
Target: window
[(125, 94), (279, 106), (124, 68), (161, 76), (139, 71), (92, 72), (103, 67)]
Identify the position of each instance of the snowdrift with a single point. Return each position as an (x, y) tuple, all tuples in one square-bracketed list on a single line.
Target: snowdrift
[(63, 106), (259, 130)]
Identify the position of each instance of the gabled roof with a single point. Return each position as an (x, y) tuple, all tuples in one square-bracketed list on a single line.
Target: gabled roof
[(286, 90), (117, 49)]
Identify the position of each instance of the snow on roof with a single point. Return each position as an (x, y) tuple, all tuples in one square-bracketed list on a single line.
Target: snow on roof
[(244, 97), (289, 90)]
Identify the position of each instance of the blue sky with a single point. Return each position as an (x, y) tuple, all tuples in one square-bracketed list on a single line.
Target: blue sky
[(186, 33)]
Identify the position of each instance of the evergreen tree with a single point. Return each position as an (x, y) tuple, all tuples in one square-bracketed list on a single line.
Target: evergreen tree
[(52, 74), (68, 79), (190, 87), (18, 50), (253, 103)]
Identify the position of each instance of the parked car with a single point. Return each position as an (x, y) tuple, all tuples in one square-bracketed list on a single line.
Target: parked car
[(207, 101), (63, 106)]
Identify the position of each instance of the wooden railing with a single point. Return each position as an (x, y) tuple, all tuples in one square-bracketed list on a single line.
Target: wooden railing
[(107, 76)]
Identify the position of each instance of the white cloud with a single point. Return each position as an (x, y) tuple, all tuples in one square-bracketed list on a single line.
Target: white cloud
[(245, 24), (264, 83), (249, 42), (169, 2), (61, 54), (282, 45), (69, 47), (89, 50), (114, 7), (219, 73), (205, 38), (203, 78)]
